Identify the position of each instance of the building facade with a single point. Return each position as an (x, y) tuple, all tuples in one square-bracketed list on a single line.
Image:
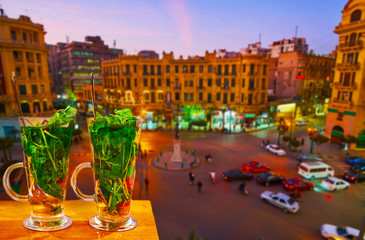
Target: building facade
[(23, 51), (298, 45), (72, 63), (255, 48), (346, 110), (169, 87)]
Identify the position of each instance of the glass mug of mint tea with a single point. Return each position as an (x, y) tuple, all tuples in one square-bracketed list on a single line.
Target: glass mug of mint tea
[(115, 143), (46, 146)]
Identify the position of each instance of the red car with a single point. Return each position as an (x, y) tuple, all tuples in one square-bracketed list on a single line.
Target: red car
[(255, 167), (292, 184)]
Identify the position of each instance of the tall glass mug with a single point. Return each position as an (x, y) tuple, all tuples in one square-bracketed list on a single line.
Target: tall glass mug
[(115, 143), (46, 146)]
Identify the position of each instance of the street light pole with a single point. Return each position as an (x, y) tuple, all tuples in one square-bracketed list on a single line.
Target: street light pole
[(290, 133)]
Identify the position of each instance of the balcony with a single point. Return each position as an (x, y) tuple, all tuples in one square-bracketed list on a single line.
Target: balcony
[(345, 86), (346, 104), (349, 46), (348, 66)]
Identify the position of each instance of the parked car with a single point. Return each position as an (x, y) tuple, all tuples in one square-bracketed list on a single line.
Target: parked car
[(300, 123), (281, 200), (299, 184), (334, 184), (306, 157), (275, 149), (358, 168), (353, 176), (236, 174), (329, 231), (253, 166), (269, 178), (355, 160)]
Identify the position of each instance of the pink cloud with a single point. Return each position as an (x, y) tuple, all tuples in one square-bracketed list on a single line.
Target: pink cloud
[(179, 12)]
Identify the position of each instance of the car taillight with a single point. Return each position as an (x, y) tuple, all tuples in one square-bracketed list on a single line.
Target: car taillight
[(225, 177), (293, 208), (352, 178)]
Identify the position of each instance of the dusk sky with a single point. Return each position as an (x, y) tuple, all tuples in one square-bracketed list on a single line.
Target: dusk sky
[(186, 27)]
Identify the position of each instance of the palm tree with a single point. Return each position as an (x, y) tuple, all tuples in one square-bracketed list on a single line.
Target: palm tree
[(5, 144)]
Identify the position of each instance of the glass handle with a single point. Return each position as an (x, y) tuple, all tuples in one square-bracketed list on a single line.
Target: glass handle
[(6, 183), (77, 191)]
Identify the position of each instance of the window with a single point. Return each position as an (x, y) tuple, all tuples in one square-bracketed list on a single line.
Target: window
[(30, 72), (25, 108), (226, 83), (218, 96), (186, 97), (350, 58), (338, 95), (242, 98), (200, 96), (145, 82), (192, 68), (127, 69), (347, 78), (352, 39), (177, 96), (191, 97), (201, 83), (186, 83), (42, 89), (24, 37), (225, 98), (44, 103), (145, 70), (13, 35), (234, 69), (160, 96), (38, 58), (201, 68), (252, 69), (152, 83), (159, 83), (226, 69), (176, 68), (153, 97), (17, 56), (345, 96), (233, 82), (210, 68), (2, 108), (244, 68), (34, 89), (146, 96), (135, 68), (350, 96), (135, 82), (185, 69), (191, 83), (353, 77), (209, 98), (167, 82), (232, 97), (209, 82), (264, 69), (159, 70), (29, 56), (341, 77), (340, 116), (251, 84), (218, 82), (22, 90), (243, 82), (219, 70), (152, 68), (167, 68), (129, 83), (355, 16)]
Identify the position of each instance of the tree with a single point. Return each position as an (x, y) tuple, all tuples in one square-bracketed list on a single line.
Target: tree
[(210, 116), (223, 112), (320, 139), (5, 144), (295, 143)]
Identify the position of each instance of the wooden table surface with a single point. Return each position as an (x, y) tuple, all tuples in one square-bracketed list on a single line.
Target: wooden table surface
[(13, 213)]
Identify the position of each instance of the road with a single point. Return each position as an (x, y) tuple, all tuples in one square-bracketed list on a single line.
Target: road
[(220, 211)]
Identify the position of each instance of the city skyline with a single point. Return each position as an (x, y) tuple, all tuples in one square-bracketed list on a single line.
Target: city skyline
[(185, 27)]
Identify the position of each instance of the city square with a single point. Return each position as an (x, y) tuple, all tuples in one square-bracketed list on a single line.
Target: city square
[(170, 120)]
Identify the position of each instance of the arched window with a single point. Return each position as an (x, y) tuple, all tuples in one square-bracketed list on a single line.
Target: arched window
[(36, 107), (25, 107), (337, 128), (355, 16), (2, 108)]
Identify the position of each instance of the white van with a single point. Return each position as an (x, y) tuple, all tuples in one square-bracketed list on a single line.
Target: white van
[(312, 170)]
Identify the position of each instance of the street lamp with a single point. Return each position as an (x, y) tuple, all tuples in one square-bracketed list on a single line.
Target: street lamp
[(312, 131), (290, 125)]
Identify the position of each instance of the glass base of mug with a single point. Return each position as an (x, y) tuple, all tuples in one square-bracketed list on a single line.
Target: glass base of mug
[(46, 226), (112, 226)]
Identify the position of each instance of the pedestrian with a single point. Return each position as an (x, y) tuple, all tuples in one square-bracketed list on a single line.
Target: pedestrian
[(267, 142), (146, 182), (263, 143), (200, 185), (191, 178), (302, 142), (145, 154)]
